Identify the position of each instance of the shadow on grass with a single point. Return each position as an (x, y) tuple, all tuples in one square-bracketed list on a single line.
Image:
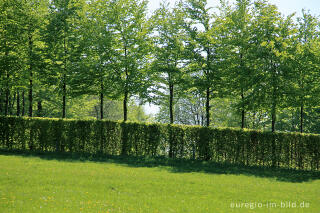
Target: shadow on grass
[(178, 165)]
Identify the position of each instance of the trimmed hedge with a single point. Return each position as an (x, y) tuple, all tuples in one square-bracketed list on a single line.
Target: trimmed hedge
[(247, 147)]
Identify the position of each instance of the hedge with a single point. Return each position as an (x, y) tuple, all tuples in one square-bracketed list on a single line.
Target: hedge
[(236, 146)]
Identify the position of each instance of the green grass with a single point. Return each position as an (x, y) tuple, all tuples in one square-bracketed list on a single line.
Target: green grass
[(31, 182)]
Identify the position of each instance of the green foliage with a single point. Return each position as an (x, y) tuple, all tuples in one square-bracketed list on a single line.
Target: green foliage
[(99, 51), (167, 72), (202, 50), (236, 32), (243, 61), (63, 47), (271, 39), (11, 50), (247, 147), (130, 31)]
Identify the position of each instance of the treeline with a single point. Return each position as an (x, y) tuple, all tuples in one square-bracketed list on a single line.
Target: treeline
[(183, 57), (224, 145)]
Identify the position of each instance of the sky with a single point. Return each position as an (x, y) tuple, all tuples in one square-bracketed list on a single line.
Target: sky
[(286, 7)]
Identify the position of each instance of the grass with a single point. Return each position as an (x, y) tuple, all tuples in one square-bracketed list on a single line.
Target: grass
[(50, 182)]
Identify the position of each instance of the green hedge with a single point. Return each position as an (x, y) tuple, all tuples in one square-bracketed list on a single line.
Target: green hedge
[(247, 147)]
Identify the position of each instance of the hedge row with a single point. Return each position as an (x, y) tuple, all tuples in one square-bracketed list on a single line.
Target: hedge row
[(248, 147)]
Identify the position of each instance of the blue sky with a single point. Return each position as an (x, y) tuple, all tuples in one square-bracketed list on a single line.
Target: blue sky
[(290, 6), (285, 6)]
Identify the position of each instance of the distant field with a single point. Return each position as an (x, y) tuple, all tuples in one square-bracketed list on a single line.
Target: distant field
[(69, 183)]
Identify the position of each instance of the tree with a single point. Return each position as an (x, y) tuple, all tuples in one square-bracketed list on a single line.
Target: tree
[(100, 56), (202, 49), (62, 48), (10, 49), (237, 53), (271, 40), (130, 27), (304, 76), (168, 52), (34, 12)]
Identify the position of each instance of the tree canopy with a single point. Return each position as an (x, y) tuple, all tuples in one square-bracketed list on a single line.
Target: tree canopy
[(240, 64)]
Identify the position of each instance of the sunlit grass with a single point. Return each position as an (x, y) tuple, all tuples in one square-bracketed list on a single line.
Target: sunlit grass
[(51, 183)]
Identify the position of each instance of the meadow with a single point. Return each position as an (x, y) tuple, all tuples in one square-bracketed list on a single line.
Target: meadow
[(51, 182)]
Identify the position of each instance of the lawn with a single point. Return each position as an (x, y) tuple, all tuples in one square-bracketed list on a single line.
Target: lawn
[(51, 182)]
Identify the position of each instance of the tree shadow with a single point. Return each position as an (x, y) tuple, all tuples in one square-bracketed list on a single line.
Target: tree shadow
[(178, 165)]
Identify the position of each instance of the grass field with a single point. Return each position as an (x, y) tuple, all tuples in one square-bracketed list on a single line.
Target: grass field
[(69, 183)]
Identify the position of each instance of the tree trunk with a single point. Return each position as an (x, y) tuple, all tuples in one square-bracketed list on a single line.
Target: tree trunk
[(39, 112), (64, 97), (274, 97), (274, 159), (1, 102), (202, 113), (242, 95), (125, 99), (301, 118), (125, 106), (97, 111), (31, 77), (64, 80), (242, 113), (18, 103), (101, 101), (202, 119), (273, 115), (6, 108), (171, 103), (11, 104), (242, 119), (30, 95), (208, 87), (23, 104), (208, 106)]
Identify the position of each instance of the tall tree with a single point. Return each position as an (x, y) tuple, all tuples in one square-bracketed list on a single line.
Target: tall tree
[(11, 47), (34, 13), (303, 63), (271, 40), (168, 52), (61, 37), (99, 47), (236, 37), (131, 34), (202, 48)]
